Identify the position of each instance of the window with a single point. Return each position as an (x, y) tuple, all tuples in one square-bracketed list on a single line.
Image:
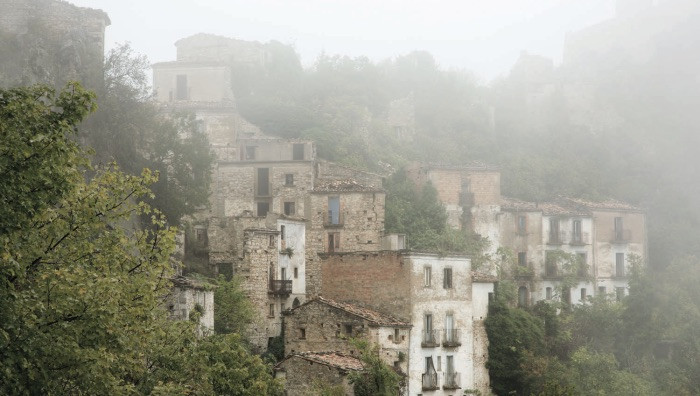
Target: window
[(522, 225), (427, 275), (548, 293), (289, 208), (583, 294), (522, 296), (201, 234), (619, 264), (298, 152), (576, 235), (348, 329), (283, 273), (296, 273), (273, 241), (619, 293), (283, 233), (288, 179), (522, 259), (439, 363), (334, 210), (554, 231), (447, 278), (302, 333), (250, 152), (262, 189), (263, 208), (450, 364), (550, 264), (272, 310), (333, 242), (602, 290), (428, 323), (619, 234), (181, 87)]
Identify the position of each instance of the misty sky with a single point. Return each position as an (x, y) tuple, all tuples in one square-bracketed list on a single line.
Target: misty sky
[(485, 36)]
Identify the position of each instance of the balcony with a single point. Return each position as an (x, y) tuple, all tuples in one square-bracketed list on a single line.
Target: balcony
[(333, 219), (451, 380), (431, 339), (450, 338), (621, 236), (430, 381), (280, 287)]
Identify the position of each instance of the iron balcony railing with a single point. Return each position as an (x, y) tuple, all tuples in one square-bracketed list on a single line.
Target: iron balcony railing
[(450, 338), (430, 381), (280, 287), (451, 380), (431, 338)]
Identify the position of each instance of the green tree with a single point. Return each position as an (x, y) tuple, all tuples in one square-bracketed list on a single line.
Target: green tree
[(377, 378), (232, 309), (130, 129), (82, 291)]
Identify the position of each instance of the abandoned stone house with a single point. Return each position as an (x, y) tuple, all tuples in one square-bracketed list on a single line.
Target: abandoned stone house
[(322, 324), (443, 300), (569, 249), (303, 373), (189, 297)]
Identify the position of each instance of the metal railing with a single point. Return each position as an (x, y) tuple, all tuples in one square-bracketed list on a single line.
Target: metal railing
[(431, 338), (280, 287), (450, 338), (451, 380), (430, 381)]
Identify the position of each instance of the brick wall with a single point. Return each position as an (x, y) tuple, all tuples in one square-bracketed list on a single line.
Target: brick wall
[(378, 279)]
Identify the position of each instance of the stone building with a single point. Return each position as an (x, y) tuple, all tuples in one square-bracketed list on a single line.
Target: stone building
[(321, 324), (68, 42), (189, 297), (443, 300), (302, 373)]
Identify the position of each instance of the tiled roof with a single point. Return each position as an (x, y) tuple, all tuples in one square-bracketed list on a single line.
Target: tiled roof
[(333, 359), (610, 204), (334, 185), (518, 205), (370, 315), (480, 277)]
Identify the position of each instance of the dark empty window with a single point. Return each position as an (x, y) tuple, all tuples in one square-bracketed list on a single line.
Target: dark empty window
[(348, 329), (619, 264), (263, 208), (522, 225), (263, 180), (302, 334), (548, 293), (522, 296), (447, 278), (576, 236), (554, 230), (582, 264), (550, 264), (289, 208), (296, 273), (225, 269), (181, 87), (289, 179), (249, 152), (619, 234), (583, 294), (333, 241), (298, 152), (283, 232), (522, 259), (602, 290)]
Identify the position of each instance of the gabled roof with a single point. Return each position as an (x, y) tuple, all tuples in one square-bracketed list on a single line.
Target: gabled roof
[(332, 359), (608, 204), (372, 316)]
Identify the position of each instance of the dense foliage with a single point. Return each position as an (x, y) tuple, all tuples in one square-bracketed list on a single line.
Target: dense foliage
[(81, 291), (377, 378)]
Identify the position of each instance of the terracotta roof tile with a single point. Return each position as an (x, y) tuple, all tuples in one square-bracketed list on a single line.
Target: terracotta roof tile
[(611, 204), (370, 315), (334, 185), (332, 359)]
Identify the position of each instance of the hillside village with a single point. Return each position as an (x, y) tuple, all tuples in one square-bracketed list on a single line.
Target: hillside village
[(306, 237)]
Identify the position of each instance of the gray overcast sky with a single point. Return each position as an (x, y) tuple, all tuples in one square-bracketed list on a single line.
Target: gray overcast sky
[(484, 36)]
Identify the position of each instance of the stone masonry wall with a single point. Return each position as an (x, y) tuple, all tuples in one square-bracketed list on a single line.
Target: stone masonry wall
[(362, 218), (300, 377)]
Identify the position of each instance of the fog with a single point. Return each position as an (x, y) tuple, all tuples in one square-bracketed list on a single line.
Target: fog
[(502, 195), (485, 37)]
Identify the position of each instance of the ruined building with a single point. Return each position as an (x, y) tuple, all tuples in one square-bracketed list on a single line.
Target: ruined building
[(568, 249)]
